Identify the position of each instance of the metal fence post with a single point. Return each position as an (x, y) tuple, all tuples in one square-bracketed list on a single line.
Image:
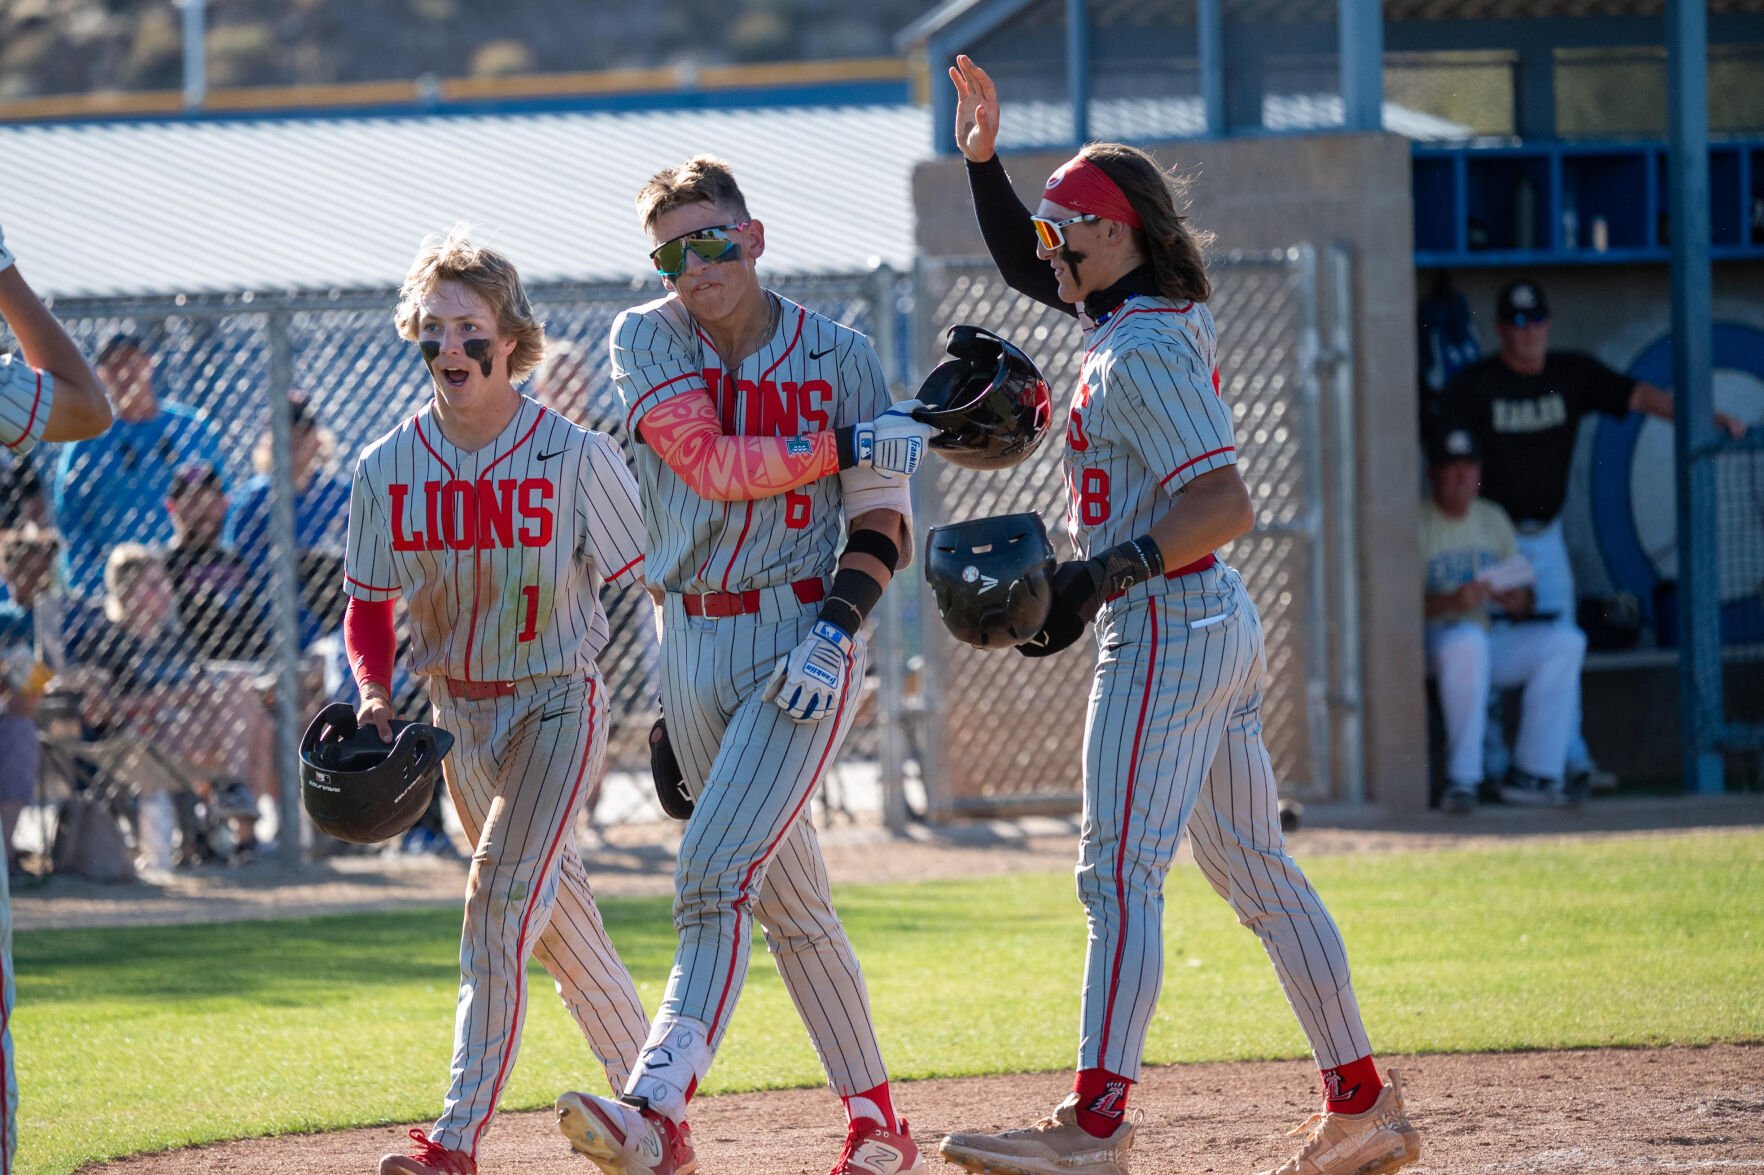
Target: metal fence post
[(1303, 264), (928, 512), (890, 651), (1699, 602), (292, 831), (1344, 552)]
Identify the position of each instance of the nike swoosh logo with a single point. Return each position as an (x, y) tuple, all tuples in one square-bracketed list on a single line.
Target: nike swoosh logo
[(550, 455), (553, 714), (813, 355)]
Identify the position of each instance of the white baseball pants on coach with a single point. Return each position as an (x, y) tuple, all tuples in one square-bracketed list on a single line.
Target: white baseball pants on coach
[(1468, 660)]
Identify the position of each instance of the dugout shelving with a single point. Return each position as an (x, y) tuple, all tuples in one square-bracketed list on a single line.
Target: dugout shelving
[(1579, 203)]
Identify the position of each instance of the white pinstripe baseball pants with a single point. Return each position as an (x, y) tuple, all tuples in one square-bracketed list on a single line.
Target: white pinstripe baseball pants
[(750, 849), (520, 769), (1173, 741)]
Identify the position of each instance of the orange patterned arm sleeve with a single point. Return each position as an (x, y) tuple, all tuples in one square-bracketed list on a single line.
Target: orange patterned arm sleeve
[(685, 433)]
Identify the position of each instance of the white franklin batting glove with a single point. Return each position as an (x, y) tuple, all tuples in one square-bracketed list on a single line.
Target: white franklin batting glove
[(893, 442), (806, 685), (6, 257)]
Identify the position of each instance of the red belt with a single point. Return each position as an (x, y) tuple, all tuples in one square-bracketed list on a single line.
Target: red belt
[(477, 691), (718, 605), (1201, 564)]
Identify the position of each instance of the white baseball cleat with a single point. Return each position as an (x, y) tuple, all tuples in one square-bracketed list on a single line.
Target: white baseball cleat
[(623, 1139), (1376, 1142)]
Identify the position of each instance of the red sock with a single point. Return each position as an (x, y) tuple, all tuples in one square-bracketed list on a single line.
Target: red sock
[(1102, 1101), (873, 1104), (1351, 1088)]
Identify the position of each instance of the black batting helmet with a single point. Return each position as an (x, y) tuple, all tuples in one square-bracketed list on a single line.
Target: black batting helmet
[(992, 578), (359, 789), (990, 401)]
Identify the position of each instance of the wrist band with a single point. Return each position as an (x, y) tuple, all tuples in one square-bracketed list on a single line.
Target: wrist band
[(849, 601), (875, 544), (1131, 562)]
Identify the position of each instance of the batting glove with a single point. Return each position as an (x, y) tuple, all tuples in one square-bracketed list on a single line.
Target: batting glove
[(807, 684), (1077, 597), (6, 257), (894, 442)]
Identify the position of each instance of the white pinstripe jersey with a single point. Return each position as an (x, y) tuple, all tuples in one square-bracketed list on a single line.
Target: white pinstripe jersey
[(1146, 420), (499, 553), (25, 394), (812, 374)]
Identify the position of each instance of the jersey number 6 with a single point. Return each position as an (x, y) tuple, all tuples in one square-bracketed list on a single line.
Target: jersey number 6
[(797, 505)]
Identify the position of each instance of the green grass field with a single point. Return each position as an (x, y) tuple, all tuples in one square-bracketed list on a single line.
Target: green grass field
[(145, 1038)]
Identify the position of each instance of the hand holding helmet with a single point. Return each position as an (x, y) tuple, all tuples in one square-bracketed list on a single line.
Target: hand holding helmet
[(356, 787), (989, 402)]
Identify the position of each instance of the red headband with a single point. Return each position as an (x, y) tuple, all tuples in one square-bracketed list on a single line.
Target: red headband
[(1082, 186)]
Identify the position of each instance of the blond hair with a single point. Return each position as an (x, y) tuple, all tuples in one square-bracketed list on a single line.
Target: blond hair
[(488, 274), (122, 569), (702, 179)]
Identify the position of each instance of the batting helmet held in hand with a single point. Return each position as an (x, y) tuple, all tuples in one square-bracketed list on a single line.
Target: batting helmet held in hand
[(992, 578), (359, 789), (990, 401)]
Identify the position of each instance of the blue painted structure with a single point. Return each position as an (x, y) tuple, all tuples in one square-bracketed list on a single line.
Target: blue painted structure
[(1622, 187)]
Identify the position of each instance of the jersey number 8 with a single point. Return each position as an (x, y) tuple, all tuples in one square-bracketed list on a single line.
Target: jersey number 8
[(1093, 497)]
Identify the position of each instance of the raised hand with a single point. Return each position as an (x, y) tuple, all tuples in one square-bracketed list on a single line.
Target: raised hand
[(976, 120)]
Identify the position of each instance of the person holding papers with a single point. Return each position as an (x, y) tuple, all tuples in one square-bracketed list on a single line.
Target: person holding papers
[(1471, 554)]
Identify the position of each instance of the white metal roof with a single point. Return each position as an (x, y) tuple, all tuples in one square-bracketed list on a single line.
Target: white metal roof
[(206, 206)]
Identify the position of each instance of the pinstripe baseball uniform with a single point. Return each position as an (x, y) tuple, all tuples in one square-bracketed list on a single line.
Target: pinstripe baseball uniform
[(500, 554), (749, 850), (25, 394), (1173, 738)]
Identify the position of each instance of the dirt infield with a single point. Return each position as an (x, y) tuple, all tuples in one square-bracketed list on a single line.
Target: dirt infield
[(1607, 1111), (1615, 1112)]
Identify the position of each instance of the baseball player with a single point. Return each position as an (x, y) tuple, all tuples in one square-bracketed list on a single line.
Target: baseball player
[(497, 520), (49, 394), (747, 406), (1173, 739)]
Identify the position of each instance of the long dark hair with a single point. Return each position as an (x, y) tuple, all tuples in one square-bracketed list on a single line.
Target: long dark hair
[(1176, 250)]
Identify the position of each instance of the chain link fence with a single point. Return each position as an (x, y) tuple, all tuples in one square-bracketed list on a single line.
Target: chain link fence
[(197, 610), (193, 606), (1004, 733)]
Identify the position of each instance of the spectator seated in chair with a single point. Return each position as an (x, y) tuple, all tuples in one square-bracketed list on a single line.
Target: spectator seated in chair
[(1470, 551), (216, 604), (183, 730)]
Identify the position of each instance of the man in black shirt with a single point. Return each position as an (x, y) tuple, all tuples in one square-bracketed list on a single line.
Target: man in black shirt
[(1525, 404)]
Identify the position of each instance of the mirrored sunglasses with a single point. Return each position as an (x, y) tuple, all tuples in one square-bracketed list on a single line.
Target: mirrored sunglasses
[(711, 244), (1052, 233)]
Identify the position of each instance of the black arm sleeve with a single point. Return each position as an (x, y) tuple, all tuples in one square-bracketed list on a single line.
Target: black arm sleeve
[(1004, 222)]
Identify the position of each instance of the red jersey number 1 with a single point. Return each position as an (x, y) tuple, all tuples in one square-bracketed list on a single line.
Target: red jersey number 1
[(530, 626)]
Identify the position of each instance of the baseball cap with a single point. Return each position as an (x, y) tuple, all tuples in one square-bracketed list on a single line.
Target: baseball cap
[(1445, 446), (1521, 303), (197, 474), (121, 341)]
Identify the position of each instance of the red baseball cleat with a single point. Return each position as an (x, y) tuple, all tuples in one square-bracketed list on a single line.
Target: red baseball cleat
[(428, 1157), (873, 1149)]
